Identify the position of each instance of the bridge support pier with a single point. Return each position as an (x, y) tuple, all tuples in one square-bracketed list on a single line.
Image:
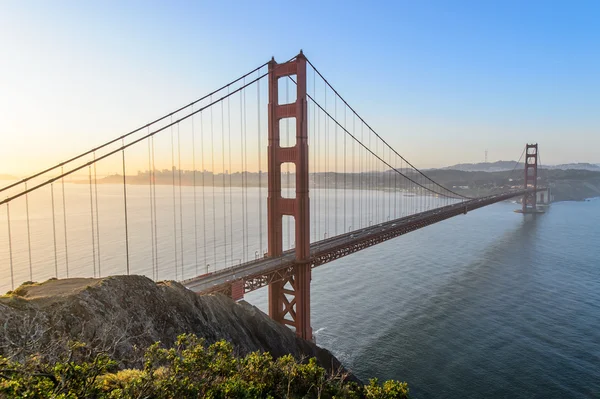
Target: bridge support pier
[(289, 300)]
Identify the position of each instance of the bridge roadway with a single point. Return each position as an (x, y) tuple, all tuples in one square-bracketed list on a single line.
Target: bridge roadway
[(261, 272)]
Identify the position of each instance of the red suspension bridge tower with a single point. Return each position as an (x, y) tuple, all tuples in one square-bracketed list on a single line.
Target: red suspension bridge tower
[(289, 300), (531, 167)]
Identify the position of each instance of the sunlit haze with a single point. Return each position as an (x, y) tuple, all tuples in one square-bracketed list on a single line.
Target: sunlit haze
[(441, 81)]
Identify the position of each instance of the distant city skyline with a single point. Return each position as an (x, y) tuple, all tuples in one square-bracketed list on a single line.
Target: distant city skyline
[(441, 82)]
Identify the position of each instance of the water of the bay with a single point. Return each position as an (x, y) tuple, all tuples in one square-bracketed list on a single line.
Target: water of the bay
[(492, 304)]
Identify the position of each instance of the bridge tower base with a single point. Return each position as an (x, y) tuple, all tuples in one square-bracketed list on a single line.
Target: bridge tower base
[(531, 163), (289, 300)]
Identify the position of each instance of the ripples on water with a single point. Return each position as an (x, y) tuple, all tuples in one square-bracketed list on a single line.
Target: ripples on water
[(491, 304)]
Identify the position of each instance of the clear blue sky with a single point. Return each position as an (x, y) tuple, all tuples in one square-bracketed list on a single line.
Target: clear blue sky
[(442, 80)]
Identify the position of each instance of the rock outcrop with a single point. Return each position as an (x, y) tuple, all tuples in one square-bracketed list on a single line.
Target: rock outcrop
[(125, 314)]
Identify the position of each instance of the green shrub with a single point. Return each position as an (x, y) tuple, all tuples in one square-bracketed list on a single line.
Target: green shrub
[(189, 369)]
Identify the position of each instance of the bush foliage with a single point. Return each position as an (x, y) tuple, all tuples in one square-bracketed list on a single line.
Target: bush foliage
[(187, 370)]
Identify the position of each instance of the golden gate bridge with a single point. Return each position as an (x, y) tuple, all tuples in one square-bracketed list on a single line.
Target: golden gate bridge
[(251, 185)]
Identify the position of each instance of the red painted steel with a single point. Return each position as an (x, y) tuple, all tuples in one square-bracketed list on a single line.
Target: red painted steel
[(531, 163), (237, 290), (291, 295)]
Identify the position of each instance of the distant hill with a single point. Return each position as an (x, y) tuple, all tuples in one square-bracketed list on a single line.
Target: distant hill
[(578, 166), (500, 166)]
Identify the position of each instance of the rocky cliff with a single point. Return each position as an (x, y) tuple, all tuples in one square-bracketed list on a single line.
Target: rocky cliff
[(125, 314)]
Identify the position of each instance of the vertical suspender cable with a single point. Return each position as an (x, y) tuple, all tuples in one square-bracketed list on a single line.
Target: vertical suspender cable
[(390, 186), (125, 207), (54, 232), (395, 190), (378, 180), (403, 190), (368, 207), (427, 199), (311, 133), (10, 254), (230, 172), (418, 195), (393, 196), (214, 201), (174, 205), (320, 185), (335, 173), (28, 234), (203, 191), (97, 218), (426, 196), (381, 185), (374, 194), (373, 168), (415, 189), (421, 196), (416, 198), (368, 183), (260, 197), (409, 189), (409, 186), (195, 196), (154, 211), (371, 204), (313, 142), (246, 169), (92, 219), (384, 208), (369, 186), (375, 201), (360, 177), (410, 205), (365, 165), (402, 193), (64, 202), (224, 182), (151, 209), (180, 199), (326, 185), (345, 127), (377, 166), (243, 173), (386, 195), (353, 171)]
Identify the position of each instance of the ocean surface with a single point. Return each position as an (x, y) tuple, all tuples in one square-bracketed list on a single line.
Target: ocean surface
[(491, 304)]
